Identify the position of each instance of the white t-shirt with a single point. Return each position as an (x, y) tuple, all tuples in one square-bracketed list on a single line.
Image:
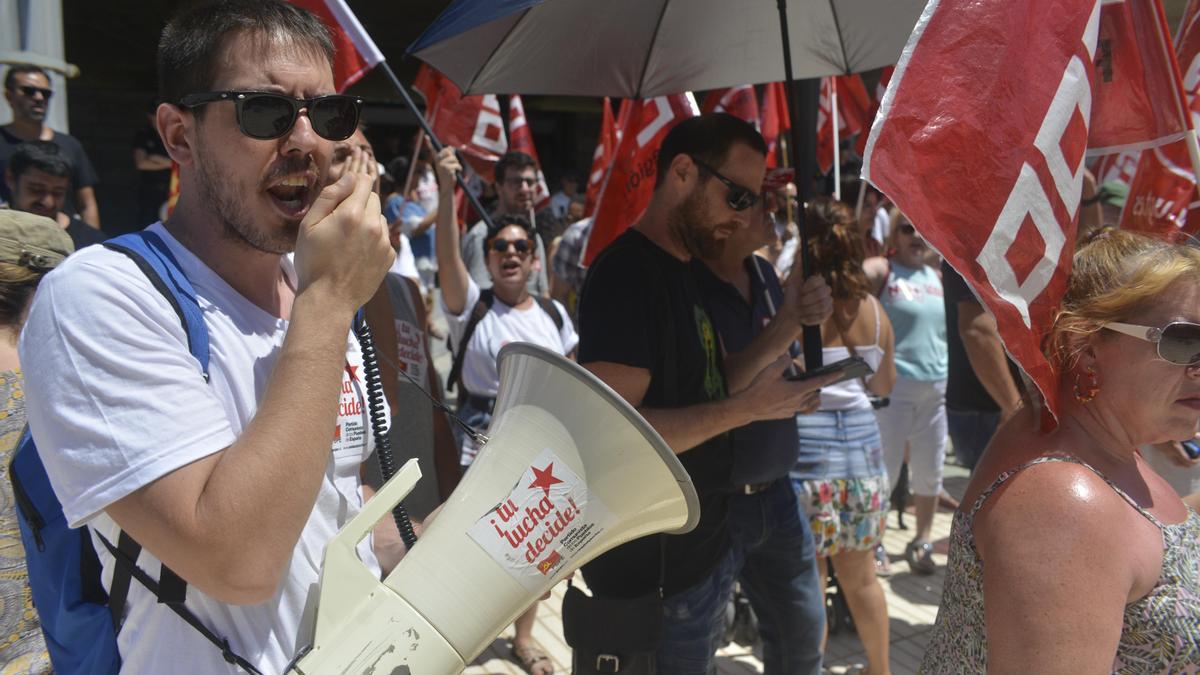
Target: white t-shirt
[(882, 226), (116, 400), (502, 325), (405, 265)]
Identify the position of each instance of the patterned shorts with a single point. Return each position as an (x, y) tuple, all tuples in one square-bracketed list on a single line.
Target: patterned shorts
[(845, 514)]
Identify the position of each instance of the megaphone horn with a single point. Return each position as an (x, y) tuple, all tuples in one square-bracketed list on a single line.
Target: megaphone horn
[(570, 471)]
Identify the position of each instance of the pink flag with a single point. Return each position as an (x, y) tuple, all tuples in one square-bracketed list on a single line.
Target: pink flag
[(631, 182), (355, 52), (985, 154), (522, 141), (737, 101)]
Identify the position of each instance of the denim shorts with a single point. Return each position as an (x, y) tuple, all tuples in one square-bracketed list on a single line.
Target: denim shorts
[(839, 444)]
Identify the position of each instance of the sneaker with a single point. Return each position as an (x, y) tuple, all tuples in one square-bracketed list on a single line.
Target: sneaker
[(919, 555), (883, 566)]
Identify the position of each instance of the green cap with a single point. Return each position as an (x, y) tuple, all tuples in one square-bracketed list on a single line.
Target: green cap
[(32, 241)]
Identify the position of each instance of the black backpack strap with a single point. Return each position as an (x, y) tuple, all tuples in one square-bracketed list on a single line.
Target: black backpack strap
[(486, 298), (123, 560), (118, 591), (548, 307)]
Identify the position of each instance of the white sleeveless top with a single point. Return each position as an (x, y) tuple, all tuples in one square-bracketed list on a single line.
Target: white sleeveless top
[(850, 395)]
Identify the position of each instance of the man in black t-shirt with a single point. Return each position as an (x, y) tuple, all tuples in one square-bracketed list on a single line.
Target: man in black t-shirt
[(38, 177), (27, 90), (645, 332), (154, 170), (982, 388)]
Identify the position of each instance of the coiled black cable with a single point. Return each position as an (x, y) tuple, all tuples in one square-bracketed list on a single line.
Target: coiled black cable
[(379, 427)]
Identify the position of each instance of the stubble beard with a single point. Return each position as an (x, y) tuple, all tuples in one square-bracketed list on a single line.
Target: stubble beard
[(223, 197), (690, 225)]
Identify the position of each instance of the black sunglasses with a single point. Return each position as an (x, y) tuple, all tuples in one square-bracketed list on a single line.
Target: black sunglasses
[(501, 245), (739, 198), (31, 91), (906, 228), (265, 115), (1178, 342)]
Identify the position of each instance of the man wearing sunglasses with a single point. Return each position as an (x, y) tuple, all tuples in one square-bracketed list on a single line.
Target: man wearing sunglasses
[(27, 90), (516, 181), (238, 480), (645, 332)]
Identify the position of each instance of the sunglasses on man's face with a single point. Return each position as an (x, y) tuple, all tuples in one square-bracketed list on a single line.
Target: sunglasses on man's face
[(266, 116), (906, 228), (31, 91), (740, 197), (501, 245), (1178, 342)]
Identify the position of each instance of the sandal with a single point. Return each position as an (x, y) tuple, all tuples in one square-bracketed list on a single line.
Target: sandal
[(919, 555), (530, 656), (883, 565)]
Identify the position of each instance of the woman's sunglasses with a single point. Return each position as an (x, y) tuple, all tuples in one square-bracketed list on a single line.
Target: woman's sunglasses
[(1178, 342), (266, 116), (501, 245), (739, 198), (907, 229)]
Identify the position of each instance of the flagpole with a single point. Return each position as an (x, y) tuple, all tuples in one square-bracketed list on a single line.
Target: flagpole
[(837, 150), (813, 355), (434, 140), (412, 163), (1194, 154)]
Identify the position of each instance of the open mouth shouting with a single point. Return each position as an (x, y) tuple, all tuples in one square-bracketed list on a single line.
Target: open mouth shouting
[(293, 194)]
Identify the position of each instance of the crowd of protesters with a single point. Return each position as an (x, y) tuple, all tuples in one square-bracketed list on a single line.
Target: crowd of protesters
[(694, 315)]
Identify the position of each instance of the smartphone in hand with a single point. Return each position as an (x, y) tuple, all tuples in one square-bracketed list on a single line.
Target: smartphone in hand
[(1191, 448), (850, 369)]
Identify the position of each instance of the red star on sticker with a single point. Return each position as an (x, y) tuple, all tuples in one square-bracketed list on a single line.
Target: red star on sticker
[(353, 371), (544, 478)]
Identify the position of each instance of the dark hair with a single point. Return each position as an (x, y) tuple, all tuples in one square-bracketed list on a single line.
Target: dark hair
[(398, 168), (836, 247), (10, 78), (41, 155), (708, 138), (505, 220), (190, 46), (513, 160)]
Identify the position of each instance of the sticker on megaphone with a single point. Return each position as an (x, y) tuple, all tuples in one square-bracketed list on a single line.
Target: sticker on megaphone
[(543, 523)]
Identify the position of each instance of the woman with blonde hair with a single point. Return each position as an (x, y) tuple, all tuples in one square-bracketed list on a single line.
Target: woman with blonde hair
[(840, 476), (1070, 554), (910, 290)]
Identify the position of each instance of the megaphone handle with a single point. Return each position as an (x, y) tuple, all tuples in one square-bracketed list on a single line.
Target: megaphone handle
[(379, 426)]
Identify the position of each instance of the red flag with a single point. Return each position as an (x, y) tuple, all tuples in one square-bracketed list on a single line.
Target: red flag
[(854, 106), (1118, 167), (775, 120), (885, 76), (985, 154), (631, 179), (1138, 95), (355, 52), (470, 123), (522, 141), (1163, 192), (605, 144), (737, 101)]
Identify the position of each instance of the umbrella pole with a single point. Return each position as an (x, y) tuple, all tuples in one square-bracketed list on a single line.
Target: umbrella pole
[(812, 334), (433, 139)]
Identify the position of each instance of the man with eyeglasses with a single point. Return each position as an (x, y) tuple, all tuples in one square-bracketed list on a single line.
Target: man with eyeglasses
[(644, 330), (238, 480), (27, 90), (516, 182)]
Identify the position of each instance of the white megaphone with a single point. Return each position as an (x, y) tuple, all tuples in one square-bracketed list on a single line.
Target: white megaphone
[(570, 471)]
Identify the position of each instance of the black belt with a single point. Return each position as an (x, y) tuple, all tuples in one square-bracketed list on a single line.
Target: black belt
[(754, 488), (484, 403)]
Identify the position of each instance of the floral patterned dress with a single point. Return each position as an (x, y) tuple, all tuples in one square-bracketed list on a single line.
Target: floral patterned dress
[(1161, 631), (22, 649)]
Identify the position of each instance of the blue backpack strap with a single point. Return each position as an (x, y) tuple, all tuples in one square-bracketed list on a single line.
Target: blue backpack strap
[(150, 253)]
